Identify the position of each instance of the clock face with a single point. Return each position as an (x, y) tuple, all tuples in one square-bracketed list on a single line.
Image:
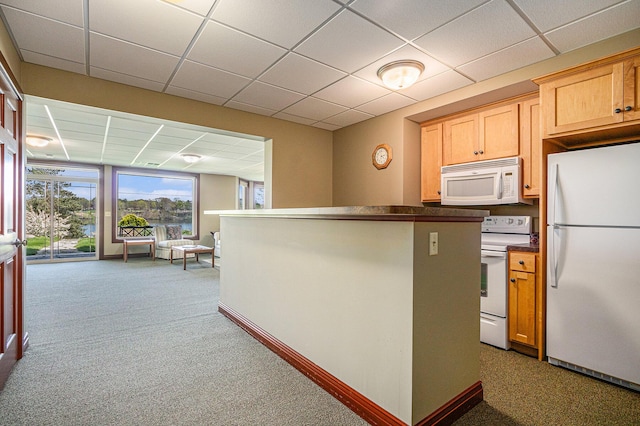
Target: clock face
[(381, 156)]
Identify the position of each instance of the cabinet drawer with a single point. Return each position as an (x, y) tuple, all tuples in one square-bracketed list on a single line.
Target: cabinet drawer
[(525, 262)]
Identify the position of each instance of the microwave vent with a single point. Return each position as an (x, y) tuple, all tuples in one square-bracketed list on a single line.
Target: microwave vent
[(503, 162)]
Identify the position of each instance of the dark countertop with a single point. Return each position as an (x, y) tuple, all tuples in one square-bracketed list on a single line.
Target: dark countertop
[(531, 248), (397, 213)]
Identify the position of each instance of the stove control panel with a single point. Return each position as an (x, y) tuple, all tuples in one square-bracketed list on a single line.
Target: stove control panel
[(507, 224)]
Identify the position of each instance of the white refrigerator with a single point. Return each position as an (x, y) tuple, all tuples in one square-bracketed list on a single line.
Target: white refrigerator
[(593, 262)]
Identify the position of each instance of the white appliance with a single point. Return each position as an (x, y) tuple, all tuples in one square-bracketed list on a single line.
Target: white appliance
[(483, 183), (498, 232), (593, 262)]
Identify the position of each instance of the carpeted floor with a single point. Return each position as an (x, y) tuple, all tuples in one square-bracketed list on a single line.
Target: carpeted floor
[(142, 343)]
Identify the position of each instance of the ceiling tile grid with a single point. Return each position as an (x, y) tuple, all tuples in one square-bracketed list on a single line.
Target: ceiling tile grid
[(313, 63)]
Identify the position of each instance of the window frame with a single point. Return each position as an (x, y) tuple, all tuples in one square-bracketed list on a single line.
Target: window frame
[(116, 171)]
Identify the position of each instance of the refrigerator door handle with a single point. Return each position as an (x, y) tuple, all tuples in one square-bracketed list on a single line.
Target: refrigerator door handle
[(553, 195), (553, 257)]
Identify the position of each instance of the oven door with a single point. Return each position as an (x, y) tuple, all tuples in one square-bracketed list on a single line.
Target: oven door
[(493, 283)]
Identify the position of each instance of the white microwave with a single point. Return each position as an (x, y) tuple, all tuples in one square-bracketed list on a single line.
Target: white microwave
[(483, 183)]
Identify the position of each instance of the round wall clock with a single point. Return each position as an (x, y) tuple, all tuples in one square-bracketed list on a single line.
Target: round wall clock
[(381, 156)]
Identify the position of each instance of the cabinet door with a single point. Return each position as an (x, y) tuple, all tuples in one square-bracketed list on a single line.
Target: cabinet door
[(530, 147), (584, 100), (431, 162), (632, 89), (522, 307), (461, 140), (499, 128)]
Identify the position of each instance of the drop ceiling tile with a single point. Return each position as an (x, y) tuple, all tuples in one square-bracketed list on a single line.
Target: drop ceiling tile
[(196, 96), (45, 36), (294, 118), (301, 74), (315, 109), (437, 85), (326, 126), (351, 92), (68, 11), (149, 23), (283, 22), (130, 59), (220, 47), (53, 62), (431, 66), (505, 60), (613, 21), (359, 40), (250, 108), (563, 12), (126, 79), (413, 18), (348, 118), (486, 29), (267, 96), (211, 81), (388, 103), (201, 7)]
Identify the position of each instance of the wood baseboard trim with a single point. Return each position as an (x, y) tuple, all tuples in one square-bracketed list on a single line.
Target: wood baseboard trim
[(355, 401), (455, 408)]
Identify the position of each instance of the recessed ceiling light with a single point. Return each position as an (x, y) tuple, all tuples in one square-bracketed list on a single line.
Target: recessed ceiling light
[(190, 158), (38, 141), (400, 74)]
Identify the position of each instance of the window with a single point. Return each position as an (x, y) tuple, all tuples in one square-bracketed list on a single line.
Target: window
[(250, 195), (157, 198)]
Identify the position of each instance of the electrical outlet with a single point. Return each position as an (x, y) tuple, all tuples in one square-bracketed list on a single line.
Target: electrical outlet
[(433, 243)]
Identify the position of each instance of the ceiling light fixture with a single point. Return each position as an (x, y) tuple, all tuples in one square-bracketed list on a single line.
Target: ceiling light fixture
[(38, 141), (400, 74), (190, 158)]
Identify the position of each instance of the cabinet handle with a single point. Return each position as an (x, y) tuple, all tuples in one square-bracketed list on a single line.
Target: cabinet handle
[(475, 152), (439, 192), (628, 108), (513, 280), (617, 110), (527, 186), (481, 152), (521, 262)]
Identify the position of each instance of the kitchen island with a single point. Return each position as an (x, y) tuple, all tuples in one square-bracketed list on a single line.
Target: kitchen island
[(352, 297)]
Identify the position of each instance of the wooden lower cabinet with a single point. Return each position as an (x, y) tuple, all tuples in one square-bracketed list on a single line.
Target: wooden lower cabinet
[(525, 302)]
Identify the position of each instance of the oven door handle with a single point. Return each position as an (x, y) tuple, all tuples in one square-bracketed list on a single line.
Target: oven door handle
[(487, 253)]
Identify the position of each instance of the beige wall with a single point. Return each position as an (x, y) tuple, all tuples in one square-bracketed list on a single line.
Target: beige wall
[(9, 52)]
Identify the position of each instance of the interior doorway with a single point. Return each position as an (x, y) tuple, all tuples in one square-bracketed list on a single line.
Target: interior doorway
[(61, 203)]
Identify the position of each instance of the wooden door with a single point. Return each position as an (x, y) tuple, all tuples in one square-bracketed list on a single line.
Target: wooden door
[(499, 128), (431, 156), (522, 307), (12, 252), (461, 140)]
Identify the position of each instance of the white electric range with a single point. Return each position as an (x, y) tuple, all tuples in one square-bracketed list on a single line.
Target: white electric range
[(498, 232)]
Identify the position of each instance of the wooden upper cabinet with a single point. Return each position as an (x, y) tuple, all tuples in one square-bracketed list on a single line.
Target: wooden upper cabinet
[(592, 102), (499, 129), (460, 143), (531, 147), (431, 162), (485, 135)]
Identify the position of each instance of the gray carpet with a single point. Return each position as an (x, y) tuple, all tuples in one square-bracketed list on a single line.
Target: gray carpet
[(142, 343)]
